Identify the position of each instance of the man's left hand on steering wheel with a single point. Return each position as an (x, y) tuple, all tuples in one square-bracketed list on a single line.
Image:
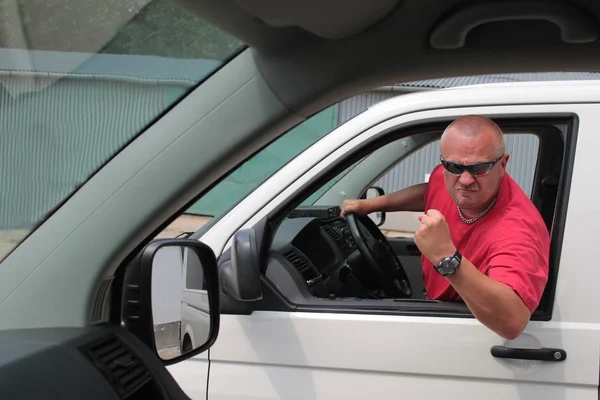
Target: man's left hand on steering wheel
[(379, 256)]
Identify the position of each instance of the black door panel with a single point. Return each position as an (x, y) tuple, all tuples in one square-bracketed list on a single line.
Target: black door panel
[(404, 246), (410, 257)]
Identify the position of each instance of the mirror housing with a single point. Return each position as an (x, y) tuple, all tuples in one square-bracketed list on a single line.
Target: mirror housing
[(170, 290), (370, 193), (240, 270), (240, 276)]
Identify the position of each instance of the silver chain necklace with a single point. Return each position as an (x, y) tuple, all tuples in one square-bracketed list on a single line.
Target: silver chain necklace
[(470, 221)]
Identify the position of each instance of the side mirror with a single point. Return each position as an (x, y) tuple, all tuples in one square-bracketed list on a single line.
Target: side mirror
[(240, 275), (240, 270), (171, 298), (372, 192)]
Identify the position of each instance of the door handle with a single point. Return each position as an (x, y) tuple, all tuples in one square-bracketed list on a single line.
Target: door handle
[(542, 354)]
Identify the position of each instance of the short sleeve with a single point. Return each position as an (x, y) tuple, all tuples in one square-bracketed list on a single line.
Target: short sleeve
[(522, 264), (435, 180)]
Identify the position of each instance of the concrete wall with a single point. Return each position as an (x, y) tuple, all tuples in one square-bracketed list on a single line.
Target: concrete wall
[(64, 114)]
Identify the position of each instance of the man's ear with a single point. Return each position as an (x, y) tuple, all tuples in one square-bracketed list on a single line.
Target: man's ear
[(504, 160)]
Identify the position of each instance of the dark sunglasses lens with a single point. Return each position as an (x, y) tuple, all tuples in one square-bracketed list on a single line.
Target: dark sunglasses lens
[(480, 169), (452, 167)]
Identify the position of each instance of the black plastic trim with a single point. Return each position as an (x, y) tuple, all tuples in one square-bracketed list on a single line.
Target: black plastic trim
[(544, 312), (541, 354), (274, 298), (240, 278)]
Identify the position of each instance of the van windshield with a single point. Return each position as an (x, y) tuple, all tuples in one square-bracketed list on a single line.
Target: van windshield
[(79, 80)]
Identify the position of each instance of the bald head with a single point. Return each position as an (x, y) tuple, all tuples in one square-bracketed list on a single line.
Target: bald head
[(478, 128), (473, 139)]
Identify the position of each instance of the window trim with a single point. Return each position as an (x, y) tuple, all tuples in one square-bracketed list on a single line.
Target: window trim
[(274, 300)]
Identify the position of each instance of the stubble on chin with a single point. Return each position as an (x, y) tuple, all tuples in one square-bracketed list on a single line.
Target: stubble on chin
[(464, 200)]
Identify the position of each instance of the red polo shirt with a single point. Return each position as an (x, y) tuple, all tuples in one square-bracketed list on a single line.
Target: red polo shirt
[(510, 244)]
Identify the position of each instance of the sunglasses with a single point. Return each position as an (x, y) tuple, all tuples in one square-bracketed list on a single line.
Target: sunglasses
[(476, 169)]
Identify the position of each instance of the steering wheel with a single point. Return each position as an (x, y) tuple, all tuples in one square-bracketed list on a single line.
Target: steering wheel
[(377, 252)]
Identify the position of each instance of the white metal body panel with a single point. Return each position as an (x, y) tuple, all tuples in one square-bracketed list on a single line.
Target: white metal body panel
[(348, 356), (191, 375), (195, 316)]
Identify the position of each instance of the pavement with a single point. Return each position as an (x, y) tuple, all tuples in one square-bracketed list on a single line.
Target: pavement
[(167, 354), (10, 239), (185, 223)]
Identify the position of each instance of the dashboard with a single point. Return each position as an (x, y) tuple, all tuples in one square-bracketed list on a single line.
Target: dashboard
[(100, 362), (317, 244)]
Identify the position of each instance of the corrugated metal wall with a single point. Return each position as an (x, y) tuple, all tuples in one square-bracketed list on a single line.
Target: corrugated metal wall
[(523, 149), (353, 106), (63, 114), (54, 139)]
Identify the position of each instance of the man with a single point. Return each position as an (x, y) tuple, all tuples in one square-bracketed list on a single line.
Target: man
[(482, 240)]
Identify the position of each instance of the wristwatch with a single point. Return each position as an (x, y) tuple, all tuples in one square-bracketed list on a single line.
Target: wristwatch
[(449, 265)]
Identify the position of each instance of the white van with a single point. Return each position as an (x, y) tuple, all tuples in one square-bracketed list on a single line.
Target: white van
[(297, 324)]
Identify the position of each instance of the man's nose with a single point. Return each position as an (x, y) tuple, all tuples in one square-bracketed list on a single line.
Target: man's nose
[(466, 179)]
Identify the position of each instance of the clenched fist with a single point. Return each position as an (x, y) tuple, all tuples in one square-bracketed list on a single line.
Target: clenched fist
[(433, 237), (360, 207)]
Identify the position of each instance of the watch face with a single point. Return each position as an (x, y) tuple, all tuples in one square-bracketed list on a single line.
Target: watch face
[(447, 266)]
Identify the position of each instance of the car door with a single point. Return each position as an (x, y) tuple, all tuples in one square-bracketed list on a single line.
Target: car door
[(277, 348)]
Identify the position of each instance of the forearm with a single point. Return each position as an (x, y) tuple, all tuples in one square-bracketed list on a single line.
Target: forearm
[(494, 304), (411, 198)]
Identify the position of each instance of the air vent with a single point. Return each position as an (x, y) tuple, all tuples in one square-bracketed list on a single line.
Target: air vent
[(335, 236), (301, 265), (120, 367)]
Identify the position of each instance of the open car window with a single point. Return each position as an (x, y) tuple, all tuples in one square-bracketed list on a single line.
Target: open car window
[(79, 80)]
